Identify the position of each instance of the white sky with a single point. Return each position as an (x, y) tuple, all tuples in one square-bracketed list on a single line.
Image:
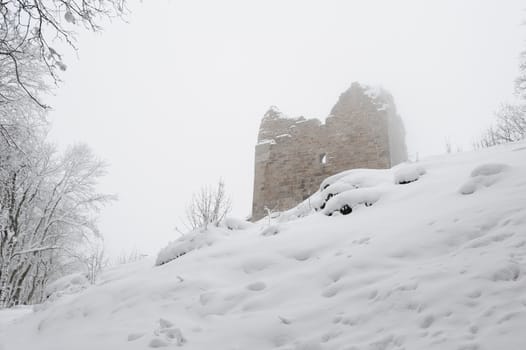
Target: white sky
[(173, 99)]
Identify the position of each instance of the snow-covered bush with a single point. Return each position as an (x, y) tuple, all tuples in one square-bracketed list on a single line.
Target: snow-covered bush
[(484, 175), (408, 173), (346, 201), (358, 178), (334, 190), (351, 180)]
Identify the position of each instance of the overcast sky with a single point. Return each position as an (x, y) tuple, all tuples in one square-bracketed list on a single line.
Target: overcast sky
[(173, 98)]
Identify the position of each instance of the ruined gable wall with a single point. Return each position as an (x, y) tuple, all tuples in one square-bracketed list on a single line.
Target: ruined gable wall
[(288, 166)]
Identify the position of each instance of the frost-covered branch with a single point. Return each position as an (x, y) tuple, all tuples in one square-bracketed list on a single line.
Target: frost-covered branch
[(33, 250), (29, 28)]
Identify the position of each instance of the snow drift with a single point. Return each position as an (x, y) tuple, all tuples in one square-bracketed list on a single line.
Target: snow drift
[(437, 261)]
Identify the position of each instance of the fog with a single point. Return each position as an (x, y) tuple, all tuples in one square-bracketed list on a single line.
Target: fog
[(172, 100)]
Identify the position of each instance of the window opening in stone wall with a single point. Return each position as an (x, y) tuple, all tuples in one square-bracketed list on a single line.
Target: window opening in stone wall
[(323, 158)]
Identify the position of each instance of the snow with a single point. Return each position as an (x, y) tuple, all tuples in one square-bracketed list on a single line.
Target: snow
[(187, 243), (359, 178), (237, 224), (383, 107), (351, 199), (69, 284), (372, 91), (8, 316), (484, 175), (267, 142), (407, 173), (270, 230), (274, 113), (377, 94), (488, 169), (424, 267), (274, 109)]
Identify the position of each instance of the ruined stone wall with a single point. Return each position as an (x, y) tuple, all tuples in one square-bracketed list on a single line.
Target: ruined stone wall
[(294, 155)]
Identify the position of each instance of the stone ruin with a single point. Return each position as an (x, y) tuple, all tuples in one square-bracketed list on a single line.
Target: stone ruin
[(294, 155)]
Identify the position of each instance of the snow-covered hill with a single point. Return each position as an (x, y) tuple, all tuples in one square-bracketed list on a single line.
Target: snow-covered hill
[(436, 263)]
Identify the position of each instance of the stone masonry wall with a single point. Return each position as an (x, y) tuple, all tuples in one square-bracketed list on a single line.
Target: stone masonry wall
[(294, 155)]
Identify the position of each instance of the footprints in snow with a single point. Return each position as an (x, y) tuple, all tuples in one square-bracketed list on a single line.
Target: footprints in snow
[(510, 272), (255, 264), (301, 255), (135, 336), (256, 286), (362, 241), (331, 291), (474, 294), (164, 335), (427, 321), (485, 241)]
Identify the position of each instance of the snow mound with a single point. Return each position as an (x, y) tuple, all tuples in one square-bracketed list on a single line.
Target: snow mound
[(488, 169), (69, 284), (358, 178), (347, 201), (351, 180), (191, 241), (237, 224), (270, 230), (482, 176), (407, 173), (305, 208), (422, 268)]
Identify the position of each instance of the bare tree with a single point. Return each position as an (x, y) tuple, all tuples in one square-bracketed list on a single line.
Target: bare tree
[(209, 206)]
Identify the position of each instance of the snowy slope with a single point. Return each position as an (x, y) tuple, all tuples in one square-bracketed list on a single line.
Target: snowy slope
[(437, 263)]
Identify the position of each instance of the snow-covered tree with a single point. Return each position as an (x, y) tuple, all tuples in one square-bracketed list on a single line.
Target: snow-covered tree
[(520, 81), (48, 202), (510, 124), (33, 30), (48, 206)]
